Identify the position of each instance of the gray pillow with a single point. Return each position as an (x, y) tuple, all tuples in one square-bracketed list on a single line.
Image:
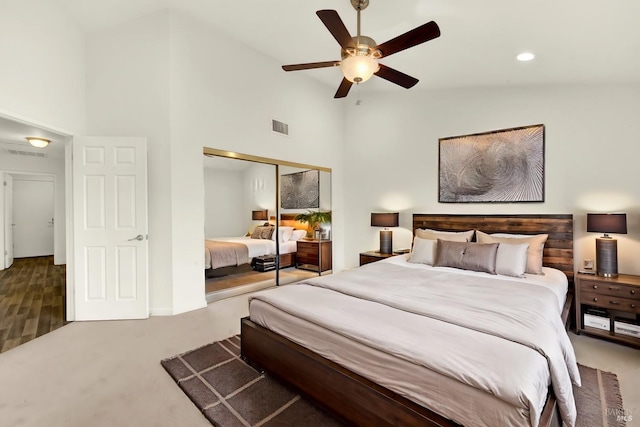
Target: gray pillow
[(262, 232), (466, 256)]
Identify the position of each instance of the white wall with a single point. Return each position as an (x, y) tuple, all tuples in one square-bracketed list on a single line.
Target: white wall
[(259, 190), (591, 152), (224, 205), (160, 77), (128, 95), (49, 166), (230, 94), (42, 77)]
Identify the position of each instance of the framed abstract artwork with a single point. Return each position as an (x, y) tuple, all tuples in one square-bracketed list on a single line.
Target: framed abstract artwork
[(300, 190), (500, 166)]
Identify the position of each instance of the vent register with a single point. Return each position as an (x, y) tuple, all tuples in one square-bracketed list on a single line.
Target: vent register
[(280, 127), (27, 153)]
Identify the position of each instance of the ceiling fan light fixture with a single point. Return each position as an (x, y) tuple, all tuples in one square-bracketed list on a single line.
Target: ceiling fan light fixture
[(358, 68), (38, 142)]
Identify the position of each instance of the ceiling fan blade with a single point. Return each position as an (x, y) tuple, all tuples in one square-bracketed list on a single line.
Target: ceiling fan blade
[(311, 65), (334, 24), (395, 76), (344, 88), (418, 35)]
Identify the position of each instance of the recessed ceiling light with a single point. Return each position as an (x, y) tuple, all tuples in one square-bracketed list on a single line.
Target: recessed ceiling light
[(525, 56)]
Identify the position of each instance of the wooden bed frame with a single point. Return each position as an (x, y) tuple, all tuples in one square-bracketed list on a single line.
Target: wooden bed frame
[(358, 401), (285, 260)]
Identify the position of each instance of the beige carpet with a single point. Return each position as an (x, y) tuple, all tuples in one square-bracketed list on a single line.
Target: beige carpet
[(105, 374)]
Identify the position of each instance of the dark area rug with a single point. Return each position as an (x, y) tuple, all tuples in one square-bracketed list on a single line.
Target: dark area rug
[(231, 393), (599, 401)]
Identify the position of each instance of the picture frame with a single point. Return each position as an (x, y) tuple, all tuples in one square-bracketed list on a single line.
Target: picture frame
[(500, 166), (300, 190)]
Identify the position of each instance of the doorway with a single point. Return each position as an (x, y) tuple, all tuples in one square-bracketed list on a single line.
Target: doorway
[(33, 215), (32, 286)]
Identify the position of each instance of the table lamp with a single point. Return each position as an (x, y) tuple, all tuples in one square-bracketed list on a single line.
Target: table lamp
[(386, 236), (606, 246)]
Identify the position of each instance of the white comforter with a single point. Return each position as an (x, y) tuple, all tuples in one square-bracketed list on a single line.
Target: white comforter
[(489, 315)]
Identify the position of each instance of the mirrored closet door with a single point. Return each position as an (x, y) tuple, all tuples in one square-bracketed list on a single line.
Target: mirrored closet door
[(255, 239)]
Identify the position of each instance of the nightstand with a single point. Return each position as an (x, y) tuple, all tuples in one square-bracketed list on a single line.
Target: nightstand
[(308, 255), (617, 298), (373, 256)]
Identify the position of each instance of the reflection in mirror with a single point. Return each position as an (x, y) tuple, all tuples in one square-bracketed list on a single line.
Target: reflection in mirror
[(305, 202), (243, 221), (239, 196)]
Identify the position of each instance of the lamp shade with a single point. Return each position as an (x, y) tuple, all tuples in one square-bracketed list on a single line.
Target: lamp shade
[(607, 223), (384, 219), (261, 215)]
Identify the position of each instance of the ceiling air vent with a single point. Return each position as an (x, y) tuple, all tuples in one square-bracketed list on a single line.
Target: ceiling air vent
[(280, 127)]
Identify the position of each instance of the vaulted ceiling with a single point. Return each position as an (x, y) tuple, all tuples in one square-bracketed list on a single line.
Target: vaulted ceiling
[(575, 41)]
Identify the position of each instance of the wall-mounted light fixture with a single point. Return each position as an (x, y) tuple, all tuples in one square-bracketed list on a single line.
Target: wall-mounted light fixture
[(38, 142)]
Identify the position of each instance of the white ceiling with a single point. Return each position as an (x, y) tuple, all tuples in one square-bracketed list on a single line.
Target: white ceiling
[(575, 41)]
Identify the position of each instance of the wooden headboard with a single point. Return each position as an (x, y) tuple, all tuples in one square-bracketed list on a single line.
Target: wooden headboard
[(287, 219), (558, 250)]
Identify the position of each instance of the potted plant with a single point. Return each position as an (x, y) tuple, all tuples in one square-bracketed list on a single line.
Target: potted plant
[(314, 219)]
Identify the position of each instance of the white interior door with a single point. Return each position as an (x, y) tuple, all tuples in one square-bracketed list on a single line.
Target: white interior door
[(110, 228), (8, 221), (32, 216)]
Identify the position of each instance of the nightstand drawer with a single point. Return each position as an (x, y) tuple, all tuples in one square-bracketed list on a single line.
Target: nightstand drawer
[(613, 289), (611, 302)]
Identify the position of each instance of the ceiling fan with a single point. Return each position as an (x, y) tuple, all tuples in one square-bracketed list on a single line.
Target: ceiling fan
[(360, 54)]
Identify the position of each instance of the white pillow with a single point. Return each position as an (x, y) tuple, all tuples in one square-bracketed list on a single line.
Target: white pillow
[(284, 233), (511, 259), (452, 236), (534, 253), (423, 251), (297, 235)]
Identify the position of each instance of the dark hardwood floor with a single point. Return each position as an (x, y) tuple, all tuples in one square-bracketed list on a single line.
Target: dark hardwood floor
[(32, 300)]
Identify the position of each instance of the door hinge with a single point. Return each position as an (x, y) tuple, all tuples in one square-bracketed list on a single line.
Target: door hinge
[(5, 183)]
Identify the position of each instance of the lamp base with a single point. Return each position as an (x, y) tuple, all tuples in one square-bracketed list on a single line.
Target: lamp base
[(386, 241), (607, 257)]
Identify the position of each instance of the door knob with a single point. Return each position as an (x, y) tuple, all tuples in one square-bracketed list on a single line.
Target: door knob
[(139, 237)]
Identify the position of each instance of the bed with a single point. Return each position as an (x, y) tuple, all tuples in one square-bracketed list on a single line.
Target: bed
[(374, 364), (229, 255)]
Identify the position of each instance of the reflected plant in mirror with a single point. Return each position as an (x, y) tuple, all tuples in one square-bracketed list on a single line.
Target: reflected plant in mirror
[(315, 219)]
